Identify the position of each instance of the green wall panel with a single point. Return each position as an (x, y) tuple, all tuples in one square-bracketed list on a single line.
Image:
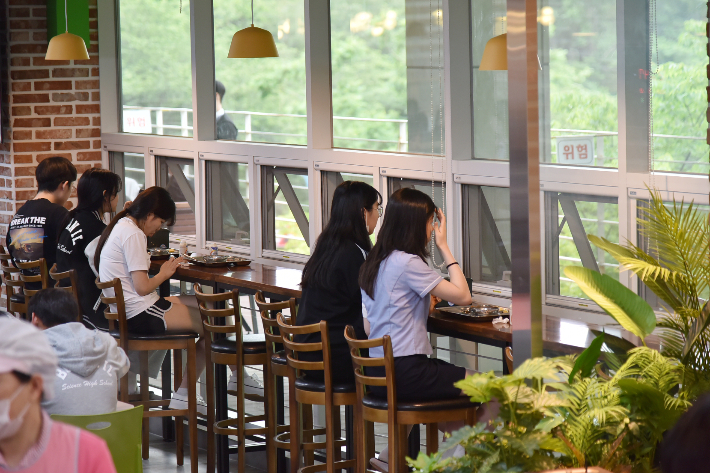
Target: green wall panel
[(78, 13)]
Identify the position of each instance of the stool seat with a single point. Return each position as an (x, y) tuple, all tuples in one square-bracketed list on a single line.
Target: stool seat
[(18, 298), (306, 384), (251, 345), (162, 336), (380, 403), (279, 358)]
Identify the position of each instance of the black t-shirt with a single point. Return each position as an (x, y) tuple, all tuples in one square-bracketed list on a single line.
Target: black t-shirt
[(226, 129), (340, 304), (81, 230), (33, 233)]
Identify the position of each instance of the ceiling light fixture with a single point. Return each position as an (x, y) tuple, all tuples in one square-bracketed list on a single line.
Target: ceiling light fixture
[(252, 42), (66, 46)]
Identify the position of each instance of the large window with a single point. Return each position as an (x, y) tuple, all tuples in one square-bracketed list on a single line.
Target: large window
[(156, 76), (131, 168), (570, 218), (331, 180), (679, 81), (285, 209), (388, 66), (228, 203), (266, 97), (486, 229), (177, 175)]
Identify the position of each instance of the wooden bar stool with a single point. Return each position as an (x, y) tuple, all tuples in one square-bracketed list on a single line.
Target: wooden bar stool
[(397, 415), (241, 351), (41, 277), (72, 287), (308, 391), (175, 341), (13, 285), (278, 366)]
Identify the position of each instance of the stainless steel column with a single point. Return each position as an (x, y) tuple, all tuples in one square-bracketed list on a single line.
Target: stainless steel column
[(524, 179)]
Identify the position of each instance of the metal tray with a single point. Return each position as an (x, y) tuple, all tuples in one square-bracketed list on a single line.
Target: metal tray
[(228, 261), (163, 253), (477, 312)]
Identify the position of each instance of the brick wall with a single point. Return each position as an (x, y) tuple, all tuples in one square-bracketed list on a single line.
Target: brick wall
[(50, 108)]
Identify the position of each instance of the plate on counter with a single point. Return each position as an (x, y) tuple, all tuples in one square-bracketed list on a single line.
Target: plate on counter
[(163, 253), (477, 312), (218, 261)]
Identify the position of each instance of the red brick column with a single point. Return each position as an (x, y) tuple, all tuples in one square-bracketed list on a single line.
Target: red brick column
[(53, 106)]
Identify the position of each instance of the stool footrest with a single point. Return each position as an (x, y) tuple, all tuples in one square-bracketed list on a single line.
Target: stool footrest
[(322, 467), (249, 397), (230, 426)]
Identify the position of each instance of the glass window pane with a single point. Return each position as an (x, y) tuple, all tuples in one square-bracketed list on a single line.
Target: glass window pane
[(265, 97), (227, 202), (131, 168), (678, 87), (578, 106), (286, 211), (331, 180), (570, 218), (387, 75), (486, 219), (177, 175), (156, 74)]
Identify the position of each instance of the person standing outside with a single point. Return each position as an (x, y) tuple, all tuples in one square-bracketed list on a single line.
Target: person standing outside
[(34, 230), (226, 129)]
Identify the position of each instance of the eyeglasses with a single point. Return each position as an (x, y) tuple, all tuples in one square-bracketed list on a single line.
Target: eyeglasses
[(380, 211)]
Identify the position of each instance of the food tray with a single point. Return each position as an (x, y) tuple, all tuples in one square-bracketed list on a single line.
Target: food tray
[(162, 253), (227, 261), (477, 312)]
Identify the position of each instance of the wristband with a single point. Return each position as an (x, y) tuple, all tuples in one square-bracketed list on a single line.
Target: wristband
[(450, 265)]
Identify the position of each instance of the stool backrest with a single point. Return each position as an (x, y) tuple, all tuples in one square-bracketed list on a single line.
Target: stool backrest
[(210, 317), (293, 348), (13, 283), (72, 287), (122, 432), (118, 317), (268, 312), (360, 363), (41, 277)]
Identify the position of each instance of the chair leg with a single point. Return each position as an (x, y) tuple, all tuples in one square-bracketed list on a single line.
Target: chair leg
[(471, 417), (432, 438), (270, 409), (179, 424), (192, 403), (296, 429), (401, 451), (241, 413), (145, 395), (360, 440), (307, 423), (369, 442), (209, 368), (330, 433), (393, 434), (337, 432)]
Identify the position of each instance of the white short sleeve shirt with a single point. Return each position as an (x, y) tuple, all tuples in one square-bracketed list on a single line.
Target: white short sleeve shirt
[(401, 304), (126, 250)]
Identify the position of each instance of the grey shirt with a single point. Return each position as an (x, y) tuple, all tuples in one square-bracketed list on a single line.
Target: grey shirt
[(401, 304)]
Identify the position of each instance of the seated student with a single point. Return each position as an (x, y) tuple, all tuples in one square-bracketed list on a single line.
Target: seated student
[(683, 447), (97, 193), (30, 441), (90, 361), (122, 252), (35, 228), (396, 284), (330, 290)]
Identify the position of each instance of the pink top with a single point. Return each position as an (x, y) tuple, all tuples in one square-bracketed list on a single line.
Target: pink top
[(66, 449)]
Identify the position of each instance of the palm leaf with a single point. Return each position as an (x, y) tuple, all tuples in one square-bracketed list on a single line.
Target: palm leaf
[(698, 327), (626, 307), (588, 358)]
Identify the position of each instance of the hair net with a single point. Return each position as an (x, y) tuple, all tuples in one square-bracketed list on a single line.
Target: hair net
[(25, 348)]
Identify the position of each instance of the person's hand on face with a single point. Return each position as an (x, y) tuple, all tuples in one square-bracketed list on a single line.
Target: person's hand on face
[(439, 229)]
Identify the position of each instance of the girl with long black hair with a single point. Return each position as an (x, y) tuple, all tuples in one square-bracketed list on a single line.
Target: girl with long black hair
[(122, 252), (97, 193), (330, 289)]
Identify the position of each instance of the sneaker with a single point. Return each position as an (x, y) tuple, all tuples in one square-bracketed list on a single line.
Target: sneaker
[(251, 385), (179, 401)]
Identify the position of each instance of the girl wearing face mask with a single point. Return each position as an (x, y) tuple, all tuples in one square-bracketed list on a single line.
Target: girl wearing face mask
[(330, 290), (122, 252), (29, 440)]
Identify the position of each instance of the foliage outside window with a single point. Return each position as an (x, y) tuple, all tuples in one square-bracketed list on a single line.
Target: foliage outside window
[(228, 203), (286, 210)]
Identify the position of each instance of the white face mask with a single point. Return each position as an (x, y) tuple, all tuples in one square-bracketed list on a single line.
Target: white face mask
[(9, 427)]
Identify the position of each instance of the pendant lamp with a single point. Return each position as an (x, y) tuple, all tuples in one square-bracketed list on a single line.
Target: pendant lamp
[(252, 42), (495, 54), (66, 46)]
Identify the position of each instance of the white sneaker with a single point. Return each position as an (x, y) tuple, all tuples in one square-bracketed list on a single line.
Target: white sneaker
[(179, 401), (251, 385)]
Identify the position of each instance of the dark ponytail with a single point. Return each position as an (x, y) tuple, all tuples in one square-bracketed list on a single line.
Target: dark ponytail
[(403, 229), (154, 200), (95, 188)]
